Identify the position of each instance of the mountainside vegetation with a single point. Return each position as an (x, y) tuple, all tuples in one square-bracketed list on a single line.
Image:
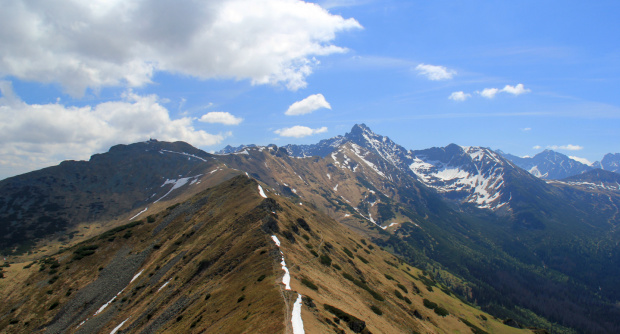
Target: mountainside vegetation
[(211, 264)]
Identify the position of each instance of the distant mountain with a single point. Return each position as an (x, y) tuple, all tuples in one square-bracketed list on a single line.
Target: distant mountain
[(549, 165), (229, 149), (463, 174), (469, 174), (610, 162)]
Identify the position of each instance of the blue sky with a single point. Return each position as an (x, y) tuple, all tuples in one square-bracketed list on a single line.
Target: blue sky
[(523, 76)]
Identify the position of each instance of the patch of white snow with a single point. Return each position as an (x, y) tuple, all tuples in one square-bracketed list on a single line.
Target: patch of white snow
[(163, 286), (119, 326), (261, 192), (276, 240), (139, 213), (298, 324), (183, 153)]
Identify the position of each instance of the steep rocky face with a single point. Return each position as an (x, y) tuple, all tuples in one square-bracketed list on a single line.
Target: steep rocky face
[(549, 165)]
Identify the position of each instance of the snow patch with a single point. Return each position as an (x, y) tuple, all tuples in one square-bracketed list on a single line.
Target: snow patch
[(336, 188), (298, 324), (386, 227), (178, 183), (183, 153), (286, 279), (261, 192), (119, 326), (163, 286), (139, 213)]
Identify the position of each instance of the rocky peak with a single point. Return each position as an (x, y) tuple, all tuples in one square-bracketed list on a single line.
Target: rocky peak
[(611, 162)]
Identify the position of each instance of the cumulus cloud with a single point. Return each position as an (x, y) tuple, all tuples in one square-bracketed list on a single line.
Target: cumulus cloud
[(220, 117), (36, 136), (459, 96), (582, 160), (489, 93), (434, 72), (537, 147), (308, 105), (92, 44), (299, 131), (517, 90), (568, 147)]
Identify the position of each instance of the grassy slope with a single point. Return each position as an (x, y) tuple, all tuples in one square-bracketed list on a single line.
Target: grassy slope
[(223, 275)]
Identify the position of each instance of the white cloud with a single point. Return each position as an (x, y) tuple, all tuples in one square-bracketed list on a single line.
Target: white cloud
[(82, 44), (489, 93), (537, 147), (36, 136), (459, 96), (515, 90), (308, 105), (220, 117), (299, 131), (526, 129), (568, 147), (433, 72), (582, 160)]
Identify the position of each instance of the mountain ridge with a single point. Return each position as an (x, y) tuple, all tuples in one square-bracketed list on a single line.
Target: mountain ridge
[(540, 239)]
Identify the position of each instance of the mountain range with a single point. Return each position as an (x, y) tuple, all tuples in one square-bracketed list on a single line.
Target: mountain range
[(473, 223)]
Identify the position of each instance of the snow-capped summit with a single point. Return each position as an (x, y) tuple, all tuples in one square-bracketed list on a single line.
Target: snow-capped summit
[(465, 173)]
